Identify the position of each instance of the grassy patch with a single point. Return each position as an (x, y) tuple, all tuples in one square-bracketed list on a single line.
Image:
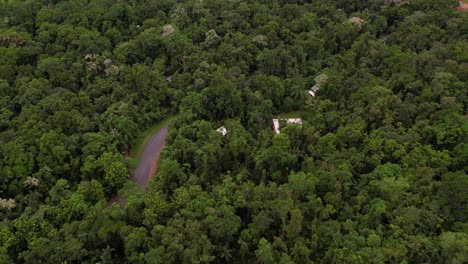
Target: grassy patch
[(300, 113), (137, 150)]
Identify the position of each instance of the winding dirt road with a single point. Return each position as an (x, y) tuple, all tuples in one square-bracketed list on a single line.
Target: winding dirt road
[(149, 158)]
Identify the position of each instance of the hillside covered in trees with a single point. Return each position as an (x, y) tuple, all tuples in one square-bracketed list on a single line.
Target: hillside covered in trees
[(376, 172)]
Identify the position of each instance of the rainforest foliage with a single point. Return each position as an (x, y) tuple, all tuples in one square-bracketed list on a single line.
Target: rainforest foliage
[(377, 173)]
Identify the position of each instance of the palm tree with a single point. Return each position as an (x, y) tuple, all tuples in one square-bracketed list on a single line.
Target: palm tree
[(226, 253), (298, 93), (310, 104)]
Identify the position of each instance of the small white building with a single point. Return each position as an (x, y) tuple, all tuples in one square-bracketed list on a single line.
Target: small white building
[(222, 130), (276, 123), (313, 90), (276, 126), (319, 81)]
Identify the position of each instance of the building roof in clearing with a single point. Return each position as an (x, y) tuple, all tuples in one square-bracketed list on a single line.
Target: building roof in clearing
[(313, 90), (294, 120), (222, 130), (276, 124), (319, 81)]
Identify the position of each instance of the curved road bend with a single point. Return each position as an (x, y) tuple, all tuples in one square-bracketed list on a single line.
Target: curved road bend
[(149, 158)]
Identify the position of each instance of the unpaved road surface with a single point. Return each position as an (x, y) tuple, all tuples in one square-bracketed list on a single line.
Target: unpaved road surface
[(463, 5), (149, 158)]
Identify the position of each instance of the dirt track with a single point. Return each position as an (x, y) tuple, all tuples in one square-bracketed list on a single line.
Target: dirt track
[(463, 5), (149, 158)]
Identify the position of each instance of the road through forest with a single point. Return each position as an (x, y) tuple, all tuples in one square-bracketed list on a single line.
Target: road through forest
[(149, 159)]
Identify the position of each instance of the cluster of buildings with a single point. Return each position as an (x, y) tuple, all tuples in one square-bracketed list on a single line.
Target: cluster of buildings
[(276, 123), (319, 81)]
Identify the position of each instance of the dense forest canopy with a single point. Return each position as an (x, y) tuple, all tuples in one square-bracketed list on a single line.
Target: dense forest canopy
[(375, 174)]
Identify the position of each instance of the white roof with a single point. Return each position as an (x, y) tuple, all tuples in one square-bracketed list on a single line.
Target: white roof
[(222, 130), (294, 120), (276, 124)]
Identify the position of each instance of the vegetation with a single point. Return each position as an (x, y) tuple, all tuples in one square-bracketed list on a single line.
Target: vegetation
[(377, 173)]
